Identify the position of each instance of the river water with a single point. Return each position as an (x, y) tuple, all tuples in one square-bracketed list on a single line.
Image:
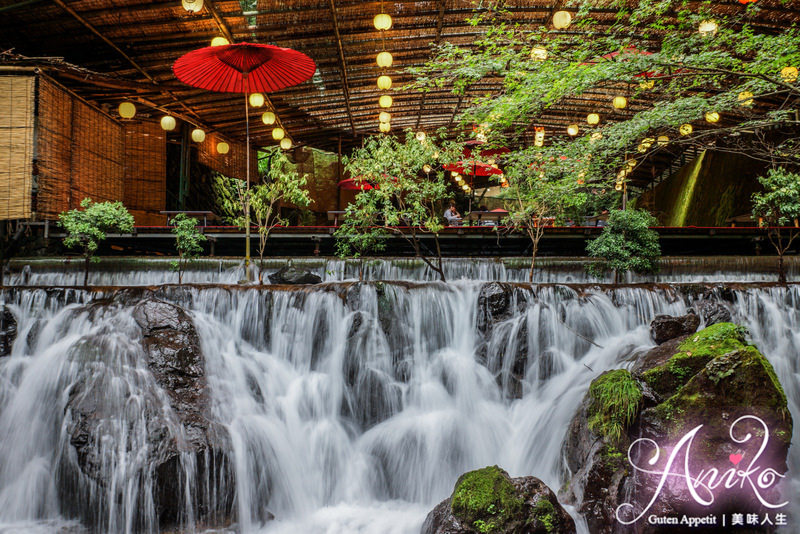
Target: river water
[(351, 408)]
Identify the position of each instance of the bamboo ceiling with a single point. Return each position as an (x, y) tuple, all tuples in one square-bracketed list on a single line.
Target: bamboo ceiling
[(134, 43)]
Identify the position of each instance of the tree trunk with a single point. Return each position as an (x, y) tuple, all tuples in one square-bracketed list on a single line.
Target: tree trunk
[(361, 270), (781, 268), (616, 278), (530, 273)]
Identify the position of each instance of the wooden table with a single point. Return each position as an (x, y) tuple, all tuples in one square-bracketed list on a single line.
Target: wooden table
[(483, 216), (206, 215), (335, 215)]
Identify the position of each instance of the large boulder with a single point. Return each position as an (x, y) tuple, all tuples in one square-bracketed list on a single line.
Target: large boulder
[(293, 275), (713, 386), (712, 312), (172, 405), (8, 331), (489, 501), (666, 327)]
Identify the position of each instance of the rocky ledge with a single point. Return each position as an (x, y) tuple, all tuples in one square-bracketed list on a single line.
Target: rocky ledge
[(489, 501), (712, 379)]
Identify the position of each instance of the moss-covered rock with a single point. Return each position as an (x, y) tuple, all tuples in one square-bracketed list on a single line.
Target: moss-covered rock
[(692, 355), (488, 501), (711, 379)]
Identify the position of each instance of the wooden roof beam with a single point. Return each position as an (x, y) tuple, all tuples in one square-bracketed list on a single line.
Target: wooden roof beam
[(342, 65), (439, 25)]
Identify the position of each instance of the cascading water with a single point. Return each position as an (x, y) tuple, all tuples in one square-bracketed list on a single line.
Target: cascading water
[(347, 407)]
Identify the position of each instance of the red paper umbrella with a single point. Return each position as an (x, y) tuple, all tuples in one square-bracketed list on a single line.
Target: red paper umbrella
[(244, 68), (469, 146), (472, 168), (352, 184)]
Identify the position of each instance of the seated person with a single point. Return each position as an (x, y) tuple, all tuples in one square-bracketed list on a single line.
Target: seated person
[(452, 216)]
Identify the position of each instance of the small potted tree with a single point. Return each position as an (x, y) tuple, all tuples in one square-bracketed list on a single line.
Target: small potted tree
[(188, 242)]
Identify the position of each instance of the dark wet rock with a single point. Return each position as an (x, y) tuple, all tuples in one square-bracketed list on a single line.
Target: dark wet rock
[(488, 500), (293, 275), (8, 331), (712, 312), (712, 377), (186, 430), (666, 327), (494, 304)]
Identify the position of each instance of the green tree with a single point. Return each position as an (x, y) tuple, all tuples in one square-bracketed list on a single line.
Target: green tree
[(357, 236), (405, 201), (87, 227), (779, 208), (283, 184), (188, 242), (627, 243)]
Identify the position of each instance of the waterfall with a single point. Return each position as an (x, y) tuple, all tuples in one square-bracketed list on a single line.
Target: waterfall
[(349, 407)]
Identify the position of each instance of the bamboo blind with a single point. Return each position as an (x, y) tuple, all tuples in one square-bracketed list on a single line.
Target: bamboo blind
[(54, 145), (233, 164), (16, 146), (145, 192)]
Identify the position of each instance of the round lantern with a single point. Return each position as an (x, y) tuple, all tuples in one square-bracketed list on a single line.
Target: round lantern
[(596, 136), (278, 133), (268, 118), (286, 143), (593, 119), (223, 147), (127, 110), (573, 130), (420, 136), (198, 135), (620, 102), (385, 101), (385, 116), (168, 123), (219, 41), (712, 117), (618, 186), (384, 59), (538, 53), (192, 6), (745, 99), (465, 187), (707, 28), (663, 140), (686, 129), (256, 100), (789, 74), (385, 127), (426, 168), (649, 84), (382, 21), (384, 82), (561, 19)]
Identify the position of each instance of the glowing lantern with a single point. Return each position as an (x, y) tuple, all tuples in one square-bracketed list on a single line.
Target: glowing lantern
[(256, 100), (192, 6), (127, 110), (278, 133), (384, 82), (538, 53), (385, 101), (712, 117), (286, 143), (268, 118), (686, 129), (561, 20), (465, 187), (436, 155), (707, 28), (593, 119), (745, 99), (382, 21), (618, 186), (573, 130), (631, 163), (789, 74), (219, 41), (596, 136), (649, 84), (420, 136), (223, 147), (198, 135), (385, 116), (538, 137), (385, 127), (384, 59), (663, 140), (620, 102), (168, 123), (426, 168)]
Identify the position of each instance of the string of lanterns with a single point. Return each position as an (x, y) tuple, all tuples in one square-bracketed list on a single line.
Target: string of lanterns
[(384, 60)]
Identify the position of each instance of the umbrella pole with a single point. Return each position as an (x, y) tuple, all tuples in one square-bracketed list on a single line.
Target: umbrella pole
[(247, 194)]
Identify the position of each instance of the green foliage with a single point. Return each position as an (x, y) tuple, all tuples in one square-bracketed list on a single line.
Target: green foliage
[(626, 244), (188, 241), (615, 400), (402, 194), (229, 197), (88, 226), (486, 499), (779, 203), (544, 512)]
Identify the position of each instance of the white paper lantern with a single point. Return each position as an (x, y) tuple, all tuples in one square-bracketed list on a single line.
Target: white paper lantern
[(384, 59), (219, 41), (198, 135), (385, 127), (385, 101), (256, 100), (168, 123), (192, 6), (278, 133), (286, 143), (223, 147), (561, 19), (384, 82), (127, 110), (268, 118), (382, 21), (385, 116)]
